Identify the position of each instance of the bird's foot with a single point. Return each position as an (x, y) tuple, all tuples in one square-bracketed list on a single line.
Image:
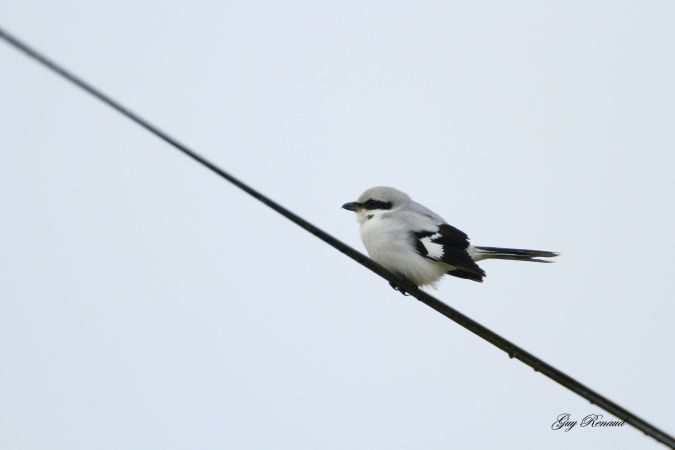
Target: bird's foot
[(396, 288)]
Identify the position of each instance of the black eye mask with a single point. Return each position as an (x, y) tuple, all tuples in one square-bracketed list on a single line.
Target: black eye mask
[(376, 204)]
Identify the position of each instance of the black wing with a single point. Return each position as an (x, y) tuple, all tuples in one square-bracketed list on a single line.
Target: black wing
[(449, 245)]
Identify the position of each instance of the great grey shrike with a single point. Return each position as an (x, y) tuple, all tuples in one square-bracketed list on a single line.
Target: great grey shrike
[(416, 243)]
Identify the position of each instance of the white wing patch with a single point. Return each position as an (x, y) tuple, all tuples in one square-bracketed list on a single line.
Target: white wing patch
[(434, 249)]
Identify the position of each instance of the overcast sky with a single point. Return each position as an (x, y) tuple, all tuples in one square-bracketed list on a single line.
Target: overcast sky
[(147, 304)]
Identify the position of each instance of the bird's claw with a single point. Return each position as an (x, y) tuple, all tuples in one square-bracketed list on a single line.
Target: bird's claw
[(396, 288)]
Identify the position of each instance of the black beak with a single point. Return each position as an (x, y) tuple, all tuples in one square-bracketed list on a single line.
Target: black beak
[(352, 206)]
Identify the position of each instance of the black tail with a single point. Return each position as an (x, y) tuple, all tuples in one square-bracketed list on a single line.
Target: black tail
[(515, 254)]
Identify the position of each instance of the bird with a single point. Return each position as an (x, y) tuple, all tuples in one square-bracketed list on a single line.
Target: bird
[(414, 242)]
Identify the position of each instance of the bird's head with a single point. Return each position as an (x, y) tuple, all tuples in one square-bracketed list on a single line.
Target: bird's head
[(375, 201)]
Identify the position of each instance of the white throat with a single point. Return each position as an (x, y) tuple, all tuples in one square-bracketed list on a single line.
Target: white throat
[(365, 215)]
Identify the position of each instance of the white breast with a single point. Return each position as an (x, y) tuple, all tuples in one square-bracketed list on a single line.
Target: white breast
[(390, 243)]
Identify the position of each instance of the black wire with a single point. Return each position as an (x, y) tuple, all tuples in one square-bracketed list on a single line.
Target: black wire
[(511, 349)]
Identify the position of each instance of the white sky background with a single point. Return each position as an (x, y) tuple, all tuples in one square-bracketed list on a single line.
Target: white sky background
[(148, 304)]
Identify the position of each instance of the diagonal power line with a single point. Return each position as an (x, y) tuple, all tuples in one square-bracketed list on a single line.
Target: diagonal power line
[(510, 348)]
